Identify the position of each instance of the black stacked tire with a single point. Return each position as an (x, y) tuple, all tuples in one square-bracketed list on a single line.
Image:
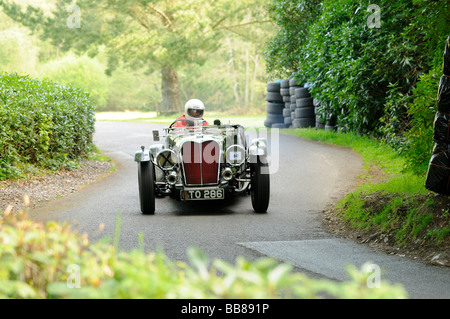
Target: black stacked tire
[(292, 86), (320, 119), (304, 114), (275, 106), (330, 124), (286, 96)]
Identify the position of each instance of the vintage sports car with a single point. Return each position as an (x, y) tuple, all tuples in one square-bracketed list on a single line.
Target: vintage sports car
[(203, 163)]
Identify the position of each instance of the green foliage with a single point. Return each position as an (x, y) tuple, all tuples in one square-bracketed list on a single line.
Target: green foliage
[(365, 76), (293, 19), (419, 139), (162, 36), (42, 124), (81, 72), (128, 90), (18, 52), (44, 261)]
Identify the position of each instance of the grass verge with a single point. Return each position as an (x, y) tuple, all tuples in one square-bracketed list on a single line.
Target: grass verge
[(247, 120), (391, 207)]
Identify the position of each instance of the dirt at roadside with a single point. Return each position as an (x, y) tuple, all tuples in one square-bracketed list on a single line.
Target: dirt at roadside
[(39, 189)]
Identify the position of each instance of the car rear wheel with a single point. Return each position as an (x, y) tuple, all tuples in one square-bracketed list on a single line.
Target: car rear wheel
[(146, 178), (260, 187)]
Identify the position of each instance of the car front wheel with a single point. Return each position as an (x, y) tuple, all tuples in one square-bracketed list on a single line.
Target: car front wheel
[(146, 178), (260, 187)]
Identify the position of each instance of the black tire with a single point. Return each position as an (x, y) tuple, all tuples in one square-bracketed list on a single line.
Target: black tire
[(284, 84), (280, 125), (331, 121), (260, 187), (316, 102), (288, 120), (146, 181), (320, 119), (273, 87), (320, 126), (287, 99), (302, 93), (275, 108), (273, 119), (304, 102), (293, 107), (284, 92), (304, 112), (330, 128), (292, 90), (287, 112), (274, 97), (303, 122), (294, 82)]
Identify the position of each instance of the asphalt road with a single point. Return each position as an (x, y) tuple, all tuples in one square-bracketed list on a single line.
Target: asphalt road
[(308, 177)]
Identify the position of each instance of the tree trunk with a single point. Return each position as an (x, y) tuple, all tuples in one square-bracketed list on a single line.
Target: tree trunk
[(170, 92)]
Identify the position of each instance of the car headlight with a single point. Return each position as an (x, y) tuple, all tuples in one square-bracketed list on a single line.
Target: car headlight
[(166, 160), (235, 155)]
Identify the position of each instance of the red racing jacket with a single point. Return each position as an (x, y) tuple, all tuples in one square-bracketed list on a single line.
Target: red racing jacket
[(183, 122)]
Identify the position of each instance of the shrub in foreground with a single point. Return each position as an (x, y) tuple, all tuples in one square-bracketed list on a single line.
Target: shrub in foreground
[(36, 262)]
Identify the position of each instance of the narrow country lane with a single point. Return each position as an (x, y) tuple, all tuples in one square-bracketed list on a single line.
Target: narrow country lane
[(310, 177)]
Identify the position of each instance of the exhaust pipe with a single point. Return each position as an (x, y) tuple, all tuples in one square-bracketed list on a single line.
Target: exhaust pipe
[(227, 174), (172, 178)]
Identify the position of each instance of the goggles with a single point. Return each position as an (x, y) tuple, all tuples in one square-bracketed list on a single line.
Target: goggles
[(195, 113)]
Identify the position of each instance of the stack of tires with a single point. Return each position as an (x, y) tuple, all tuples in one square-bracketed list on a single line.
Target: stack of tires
[(292, 86), (331, 124), (327, 122), (304, 112), (320, 119), (285, 93), (275, 106)]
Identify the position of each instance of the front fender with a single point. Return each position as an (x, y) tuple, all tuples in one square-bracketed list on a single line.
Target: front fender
[(148, 155), (258, 147), (142, 156)]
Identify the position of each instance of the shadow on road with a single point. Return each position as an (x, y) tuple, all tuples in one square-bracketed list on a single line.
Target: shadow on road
[(204, 208)]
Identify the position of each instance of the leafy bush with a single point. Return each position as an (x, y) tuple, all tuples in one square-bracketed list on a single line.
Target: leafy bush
[(360, 74), (44, 261), (419, 138), (42, 124)]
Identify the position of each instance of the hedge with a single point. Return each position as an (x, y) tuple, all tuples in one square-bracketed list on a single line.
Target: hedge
[(42, 124)]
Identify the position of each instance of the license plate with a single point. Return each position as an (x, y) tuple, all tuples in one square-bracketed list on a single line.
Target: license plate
[(203, 194)]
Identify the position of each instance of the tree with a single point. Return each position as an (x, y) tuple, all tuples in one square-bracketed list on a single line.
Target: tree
[(145, 34)]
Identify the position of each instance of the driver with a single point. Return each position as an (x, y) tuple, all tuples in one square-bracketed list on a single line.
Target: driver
[(193, 110)]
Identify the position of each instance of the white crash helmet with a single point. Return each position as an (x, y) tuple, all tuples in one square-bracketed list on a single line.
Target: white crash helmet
[(194, 110)]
